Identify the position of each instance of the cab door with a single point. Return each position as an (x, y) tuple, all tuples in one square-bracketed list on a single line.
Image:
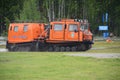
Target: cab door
[(72, 32), (57, 32)]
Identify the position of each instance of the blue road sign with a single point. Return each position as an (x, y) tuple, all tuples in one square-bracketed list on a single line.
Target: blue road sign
[(103, 28)]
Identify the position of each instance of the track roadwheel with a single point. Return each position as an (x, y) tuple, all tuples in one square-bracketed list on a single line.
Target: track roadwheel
[(28, 49), (56, 49), (79, 48), (37, 46), (62, 49), (50, 48), (87, 46), (21, 49), (83, 47), (12, 48), (67, 48), (15, 48), (90, 46), (73, 48)]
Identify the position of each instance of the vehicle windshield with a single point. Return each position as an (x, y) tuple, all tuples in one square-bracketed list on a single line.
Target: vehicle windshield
[(84, 27)]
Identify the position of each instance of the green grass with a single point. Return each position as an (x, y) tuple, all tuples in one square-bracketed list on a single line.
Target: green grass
[(105, 47), (56, 66), (106, 44)]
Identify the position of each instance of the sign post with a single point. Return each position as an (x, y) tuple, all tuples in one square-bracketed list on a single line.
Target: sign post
[(104, 27)]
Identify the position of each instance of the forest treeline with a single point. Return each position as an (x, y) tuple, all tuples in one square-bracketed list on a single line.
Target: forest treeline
[(50, 10)]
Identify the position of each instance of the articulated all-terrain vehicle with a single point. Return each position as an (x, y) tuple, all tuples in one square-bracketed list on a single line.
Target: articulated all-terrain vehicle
[(63, 35)]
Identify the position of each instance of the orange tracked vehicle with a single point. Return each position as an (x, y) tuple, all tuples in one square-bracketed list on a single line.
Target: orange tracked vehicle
[(64, 35)]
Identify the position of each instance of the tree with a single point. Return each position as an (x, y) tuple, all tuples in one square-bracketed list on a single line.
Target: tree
[(50, 10), (30, 11), (9, 10)]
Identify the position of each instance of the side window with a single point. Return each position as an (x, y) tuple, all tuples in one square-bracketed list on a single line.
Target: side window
[(25, 28), (73, 27), (58, 27), (84, 27), (15, 28)]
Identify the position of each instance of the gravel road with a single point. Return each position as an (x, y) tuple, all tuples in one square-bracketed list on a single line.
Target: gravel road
[(3, 50), (97, 55)]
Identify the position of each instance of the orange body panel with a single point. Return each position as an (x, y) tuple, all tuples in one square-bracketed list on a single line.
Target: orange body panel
[(65, 34), (18, 33), (57, 34), (87, 35), (72, 35), (80, 36)]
